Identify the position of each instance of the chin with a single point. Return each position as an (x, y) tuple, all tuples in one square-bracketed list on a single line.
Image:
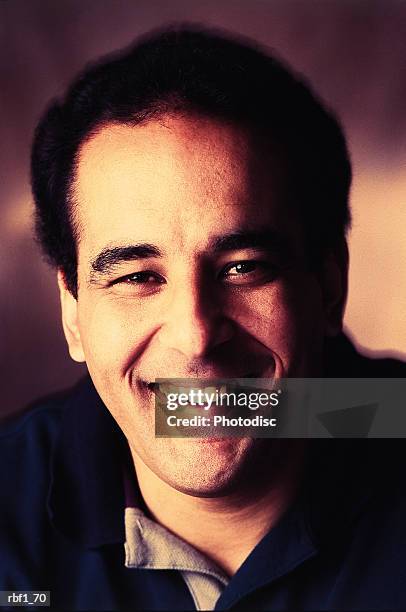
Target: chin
[(205, 467)]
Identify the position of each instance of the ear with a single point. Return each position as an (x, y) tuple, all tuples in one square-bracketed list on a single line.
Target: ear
[(69, 307), (334, 284)]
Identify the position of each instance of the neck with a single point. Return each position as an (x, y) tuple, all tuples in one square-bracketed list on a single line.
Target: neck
[(226, 528)]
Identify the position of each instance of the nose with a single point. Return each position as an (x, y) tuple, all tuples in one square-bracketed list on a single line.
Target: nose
[(194, 322)]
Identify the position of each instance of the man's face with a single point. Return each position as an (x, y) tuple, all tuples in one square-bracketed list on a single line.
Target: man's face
[(191, 264)]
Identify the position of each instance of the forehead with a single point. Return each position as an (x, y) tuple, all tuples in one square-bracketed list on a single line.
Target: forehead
[(170, 149), (180, 177)]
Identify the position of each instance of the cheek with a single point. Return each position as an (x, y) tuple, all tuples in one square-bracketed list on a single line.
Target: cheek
[(285, 317), (266, 313), (113, 334)]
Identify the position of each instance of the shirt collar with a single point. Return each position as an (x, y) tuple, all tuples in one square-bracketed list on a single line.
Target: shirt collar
[(334, 492)]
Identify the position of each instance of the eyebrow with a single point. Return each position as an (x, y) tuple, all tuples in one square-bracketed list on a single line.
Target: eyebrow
[(110, 257), (268, 239), (113, 256)]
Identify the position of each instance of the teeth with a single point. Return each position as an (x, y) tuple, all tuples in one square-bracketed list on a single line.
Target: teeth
[(167, 388)]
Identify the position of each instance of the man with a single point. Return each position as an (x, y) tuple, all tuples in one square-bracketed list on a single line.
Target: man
[(193, 196)]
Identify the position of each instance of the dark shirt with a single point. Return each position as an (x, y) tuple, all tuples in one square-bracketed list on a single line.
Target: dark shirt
[(341, 546)]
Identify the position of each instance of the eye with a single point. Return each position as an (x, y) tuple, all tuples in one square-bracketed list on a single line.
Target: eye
[(142, 282), (249, 272), (139, 278)]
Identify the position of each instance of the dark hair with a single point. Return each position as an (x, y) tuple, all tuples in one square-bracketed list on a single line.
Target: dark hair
[(182, 69)]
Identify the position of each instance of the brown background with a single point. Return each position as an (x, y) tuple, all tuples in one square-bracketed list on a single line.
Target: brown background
[(353, 52)]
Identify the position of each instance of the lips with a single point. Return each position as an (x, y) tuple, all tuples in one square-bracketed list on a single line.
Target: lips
[(268, 368)]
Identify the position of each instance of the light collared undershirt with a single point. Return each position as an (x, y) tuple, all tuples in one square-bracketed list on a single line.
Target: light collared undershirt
[(149, 545)]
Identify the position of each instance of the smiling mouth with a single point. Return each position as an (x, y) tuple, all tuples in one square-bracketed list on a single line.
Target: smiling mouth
[(248, 383)]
